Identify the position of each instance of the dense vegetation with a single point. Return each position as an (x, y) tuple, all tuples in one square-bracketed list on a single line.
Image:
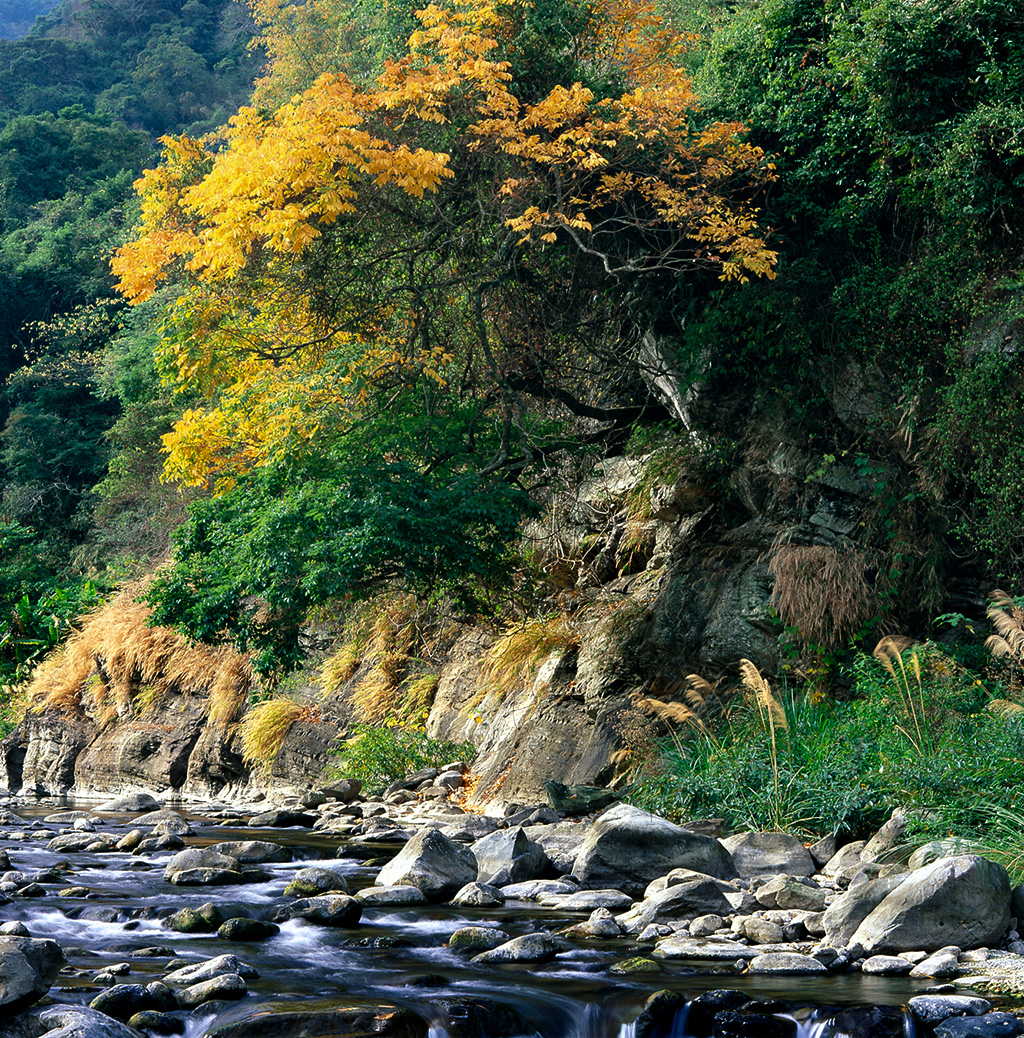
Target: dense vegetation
[(433, 260)]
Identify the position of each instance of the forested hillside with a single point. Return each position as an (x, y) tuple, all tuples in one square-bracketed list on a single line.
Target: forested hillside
[(440, 263)]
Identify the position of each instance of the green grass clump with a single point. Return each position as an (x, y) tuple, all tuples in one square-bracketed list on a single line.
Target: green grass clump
[(379, 754), (923, 732)]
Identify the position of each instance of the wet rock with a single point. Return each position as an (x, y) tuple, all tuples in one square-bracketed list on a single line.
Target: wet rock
[(731, 1024), (476, 939), (14, 928), (27, 969), (74, 892), (162, 996), (933, 1009), (992, 1025), (67, 1021), (433, 863), (219, 966), (74, 843), (133, 802), (785, 962), (470, 1017), (327, 910), (188, 920), (717, 949), (312, 881), (131, 840), (601, 924), (153, 1021), (254, 852), (769, 854), (243, 929), (508, 856), (224, 986), (478, 895), (531, 947), (122, 1001), (658, 1016), (638, 964), (319, 1020), (397, 895), (963, 900), (627, 847), (535, 889), (203, 866)]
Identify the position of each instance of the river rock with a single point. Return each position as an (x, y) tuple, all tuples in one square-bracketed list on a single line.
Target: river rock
[(345, 790), (696, 895), (768, 854), (992, 1025), (716, 949), (130, 804), (588, 900), (963, 900), (433, 863), (886, 966), (535, 889), (224, 986), (933, 1009), (887, 839), (600, 924), (122, 1001), (847, 855), (400, 894), (942, 964), (27, 969), (627, 847), (758, 930), (219, 966), (282, 818), (152, 1021), (531, 947), (476, 939), (241, 928), (783, 892), (478, 895), (849, 910), (202, 865), (67, 1021), (327, 910), (576, 801), (312, 881), (785, 962), (281, 1019), (254, 852), (508, 856)]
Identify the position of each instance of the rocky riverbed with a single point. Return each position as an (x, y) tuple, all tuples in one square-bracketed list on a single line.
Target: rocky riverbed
[(404, 916)]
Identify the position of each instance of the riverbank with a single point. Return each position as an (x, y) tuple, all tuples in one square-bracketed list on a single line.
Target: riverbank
[(428, 918)]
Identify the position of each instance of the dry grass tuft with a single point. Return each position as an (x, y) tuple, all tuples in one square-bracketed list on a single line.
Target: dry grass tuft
[(417, 699), (389, 645), (516, 656), (264, 727), (115, 666), (1008, 619), (820, 592), (341, 667)]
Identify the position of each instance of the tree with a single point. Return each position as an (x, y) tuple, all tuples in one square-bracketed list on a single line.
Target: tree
[(435, 264)]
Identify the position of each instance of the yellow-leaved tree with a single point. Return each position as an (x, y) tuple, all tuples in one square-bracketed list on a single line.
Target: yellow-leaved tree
[(440, 267)]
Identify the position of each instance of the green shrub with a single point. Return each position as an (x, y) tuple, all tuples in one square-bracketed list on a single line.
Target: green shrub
[(379, 754)]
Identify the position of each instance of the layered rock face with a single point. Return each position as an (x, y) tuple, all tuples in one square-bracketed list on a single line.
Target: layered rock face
[(664, 575)]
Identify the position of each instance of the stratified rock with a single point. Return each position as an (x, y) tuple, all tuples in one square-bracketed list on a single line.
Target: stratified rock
[(963, 900), (627, 847), (531, 947), (312, 881), (769, 854), (27, 969), (433, 863), (508, 856)]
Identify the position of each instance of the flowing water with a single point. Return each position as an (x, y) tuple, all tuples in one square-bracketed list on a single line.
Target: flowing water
[(393, 957)]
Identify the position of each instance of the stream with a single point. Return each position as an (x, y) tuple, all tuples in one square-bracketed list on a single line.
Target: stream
[(394, 956)]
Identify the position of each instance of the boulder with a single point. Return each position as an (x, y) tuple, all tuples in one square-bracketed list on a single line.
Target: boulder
[(327, 910), (312, 881), (561, 843), (402, 894), (576, 801), (123, 1001), (130, 804), (476, 939), (254, 852), (344, 790), (27, 969), (508, 856), (785, 962), (933, 1009), (67, 1021), (241, 928), (783, 892), (433, 863), (695, 896), (847, 855), (223, 986), (964, 900), (531, 947), (202, 865), (849, 910), (478, 895), (769, 854), (992, 1025), (216, 967), (627, 847)]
